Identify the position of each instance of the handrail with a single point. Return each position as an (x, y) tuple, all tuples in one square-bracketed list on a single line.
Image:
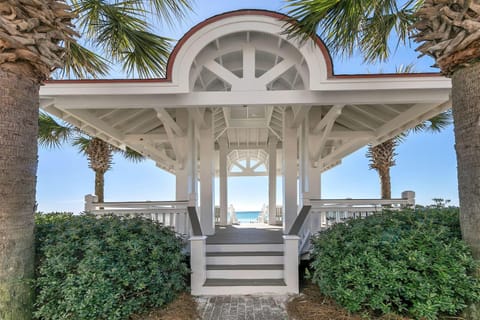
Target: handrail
[(358, 202), (141, 204), (196, 228), (299, 221)]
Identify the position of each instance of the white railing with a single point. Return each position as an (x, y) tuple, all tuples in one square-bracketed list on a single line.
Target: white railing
[(264, 215), (171, 214), (326, 212)]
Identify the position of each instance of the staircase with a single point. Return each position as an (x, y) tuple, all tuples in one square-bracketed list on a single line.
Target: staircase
[(244, 260), (244, 269)]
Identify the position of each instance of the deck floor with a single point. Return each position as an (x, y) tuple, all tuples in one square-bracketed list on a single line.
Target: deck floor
[(246, 234)]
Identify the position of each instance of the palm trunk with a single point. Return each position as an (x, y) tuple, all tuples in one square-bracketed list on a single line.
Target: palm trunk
[(466, 115), (385, 183), (99, 184), (18, 166)]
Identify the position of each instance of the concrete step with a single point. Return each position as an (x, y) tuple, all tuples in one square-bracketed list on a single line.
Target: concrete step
[(242, 290), (243, 258), (243, 282), (245, 267), (244, 247), (243, 286), (259, 271)]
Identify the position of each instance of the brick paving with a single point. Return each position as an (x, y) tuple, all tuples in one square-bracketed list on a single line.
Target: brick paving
[(242, 307)]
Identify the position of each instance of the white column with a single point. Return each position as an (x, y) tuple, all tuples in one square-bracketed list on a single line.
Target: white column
[(186, 165), (289, 171), (198, 263), (272, 179), (207, 178), (223, 181), (309, 172), (290, 262)]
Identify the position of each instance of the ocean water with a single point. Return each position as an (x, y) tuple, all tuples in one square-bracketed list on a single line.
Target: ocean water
[(247, 216)]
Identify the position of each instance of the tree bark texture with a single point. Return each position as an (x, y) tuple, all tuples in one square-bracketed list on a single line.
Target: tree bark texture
[(385, 182), (99, 185), (466, 115), (18, 166)]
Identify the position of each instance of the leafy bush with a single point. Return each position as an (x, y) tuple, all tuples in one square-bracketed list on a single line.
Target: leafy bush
[(104, 268), (411, 263)]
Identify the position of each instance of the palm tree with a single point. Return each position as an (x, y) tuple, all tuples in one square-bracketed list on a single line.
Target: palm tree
[(99, 153), (382, 156), (33, 37), (449, 31)]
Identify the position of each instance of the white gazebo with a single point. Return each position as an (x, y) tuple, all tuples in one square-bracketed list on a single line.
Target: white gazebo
[(241, 98)]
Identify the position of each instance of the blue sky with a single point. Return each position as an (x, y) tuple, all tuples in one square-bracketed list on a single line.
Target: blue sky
[(426, 162)]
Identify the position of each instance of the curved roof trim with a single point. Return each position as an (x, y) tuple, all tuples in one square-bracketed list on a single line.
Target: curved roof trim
[(280, 16)]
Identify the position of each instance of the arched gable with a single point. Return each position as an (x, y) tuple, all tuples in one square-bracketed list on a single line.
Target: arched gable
[(245, 50)]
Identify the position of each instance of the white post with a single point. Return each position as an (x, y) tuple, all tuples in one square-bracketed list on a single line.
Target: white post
[(289, 171), (310, 173), (272, 180), (291, 261), (223, 181), (89, 202), (410, 196), (207, 176), (198, 263), (186, 165)]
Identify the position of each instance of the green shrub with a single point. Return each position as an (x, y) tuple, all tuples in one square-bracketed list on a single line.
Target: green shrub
[(104, 268), (411, 263)]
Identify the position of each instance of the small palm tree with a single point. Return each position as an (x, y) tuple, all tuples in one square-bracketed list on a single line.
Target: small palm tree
[(98, 152), (382, 156)]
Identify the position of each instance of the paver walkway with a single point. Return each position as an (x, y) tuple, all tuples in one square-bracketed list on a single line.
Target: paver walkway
[(242, 307)]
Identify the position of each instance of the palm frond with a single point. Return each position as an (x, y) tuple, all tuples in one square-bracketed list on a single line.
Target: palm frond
[(52, 134), (131, 154), (170, 11), (83, 63), (435, 124), (82, 143), (147, 54), (348, 25)]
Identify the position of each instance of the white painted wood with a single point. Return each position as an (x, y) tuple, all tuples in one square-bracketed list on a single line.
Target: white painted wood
[(289, 171), (272, 179), (291, 262), (167, 120), (245, 274), (234, 260), (258, 247), (89, 200), (248, 62), (239, 98), (207, 178), (223, 180), (243, 290), (197, 264)]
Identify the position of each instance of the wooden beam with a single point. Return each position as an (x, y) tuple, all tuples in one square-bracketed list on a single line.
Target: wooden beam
[(332, 114), (96, 123), (407, 120), (198, 115), (168, 121), (299, 113), (276, 71), (318, 147), (239, 98), (155, 137), (222, 72), (248, 62)]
